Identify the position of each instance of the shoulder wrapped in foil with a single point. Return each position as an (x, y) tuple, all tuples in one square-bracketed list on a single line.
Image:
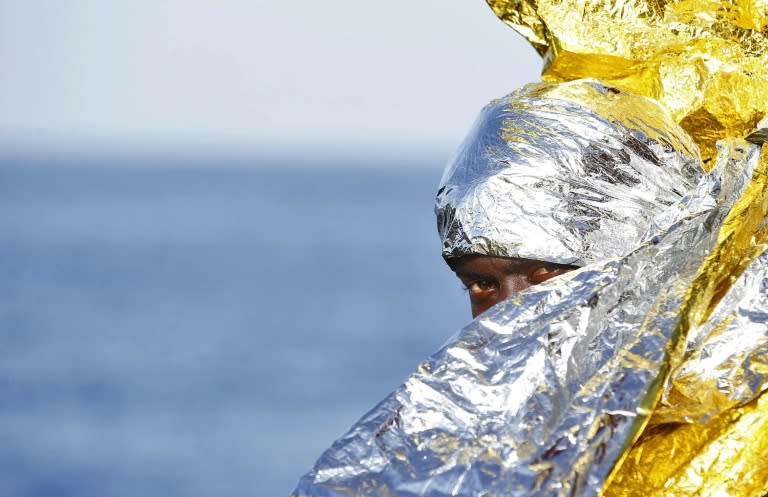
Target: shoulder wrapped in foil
[(580, 385)]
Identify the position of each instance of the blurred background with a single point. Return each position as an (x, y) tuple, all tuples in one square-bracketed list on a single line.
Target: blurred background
[(218, 247)]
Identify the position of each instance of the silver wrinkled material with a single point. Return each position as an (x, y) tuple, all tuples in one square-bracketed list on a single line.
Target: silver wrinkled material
[(541, 176), (543, 393), (726, 359)]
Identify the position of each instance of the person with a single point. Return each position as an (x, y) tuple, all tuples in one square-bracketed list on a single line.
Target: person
[(544, 184), (580, 220)]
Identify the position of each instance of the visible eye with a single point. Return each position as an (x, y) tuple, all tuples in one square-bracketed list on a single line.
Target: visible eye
[(481, 289), (541, 274)]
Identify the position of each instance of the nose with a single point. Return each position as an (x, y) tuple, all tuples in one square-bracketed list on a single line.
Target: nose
[(505, 291), (512, 284)]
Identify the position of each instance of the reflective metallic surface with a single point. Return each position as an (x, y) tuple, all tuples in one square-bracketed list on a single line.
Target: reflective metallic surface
[(707, 62), (570, 173), (645, 372), (727, 456), (546, 393), (726, 358), (720, 450)]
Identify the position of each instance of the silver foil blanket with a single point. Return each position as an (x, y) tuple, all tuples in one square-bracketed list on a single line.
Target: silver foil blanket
[(726, 359), (725, 362), (543, 394)]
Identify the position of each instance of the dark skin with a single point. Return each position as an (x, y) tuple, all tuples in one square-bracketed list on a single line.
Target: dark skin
[(489, 280)]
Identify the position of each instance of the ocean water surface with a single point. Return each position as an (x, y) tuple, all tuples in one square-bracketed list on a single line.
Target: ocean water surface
[(206, 331)]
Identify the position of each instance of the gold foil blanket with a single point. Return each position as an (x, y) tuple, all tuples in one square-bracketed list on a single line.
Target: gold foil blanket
[(706, 61)]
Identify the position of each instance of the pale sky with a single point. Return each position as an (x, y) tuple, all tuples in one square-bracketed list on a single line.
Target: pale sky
[(339, 76)]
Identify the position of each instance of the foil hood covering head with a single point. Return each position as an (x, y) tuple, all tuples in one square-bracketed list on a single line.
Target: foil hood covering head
[(568, 173)]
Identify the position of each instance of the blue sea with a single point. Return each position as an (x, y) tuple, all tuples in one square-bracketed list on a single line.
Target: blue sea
[(206, 330)]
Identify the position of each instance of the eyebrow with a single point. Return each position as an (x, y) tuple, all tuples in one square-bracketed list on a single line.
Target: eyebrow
[(516, 265), (513, 266), (472, 274)]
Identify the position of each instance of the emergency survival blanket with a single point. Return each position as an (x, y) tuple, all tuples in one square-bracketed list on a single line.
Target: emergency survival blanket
[(645, 371)]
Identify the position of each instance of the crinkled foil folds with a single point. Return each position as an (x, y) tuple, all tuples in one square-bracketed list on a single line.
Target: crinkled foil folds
[(546, 393), (726, 358), (706, 61), (568, 173)]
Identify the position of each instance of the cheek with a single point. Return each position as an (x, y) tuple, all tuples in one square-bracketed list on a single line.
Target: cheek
[(480, 305), (477, 310)]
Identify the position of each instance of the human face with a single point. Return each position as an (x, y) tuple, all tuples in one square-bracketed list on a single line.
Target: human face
[(490, 280)]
